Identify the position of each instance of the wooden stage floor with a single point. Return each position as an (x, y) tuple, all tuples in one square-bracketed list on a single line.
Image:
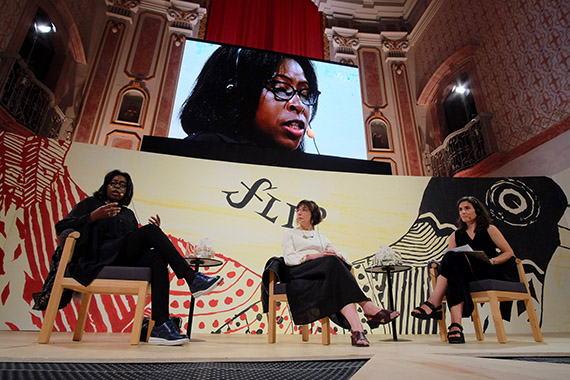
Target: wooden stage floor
[(419, 357)]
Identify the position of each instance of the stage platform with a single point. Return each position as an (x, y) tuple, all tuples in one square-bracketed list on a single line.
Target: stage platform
[(418, 357)]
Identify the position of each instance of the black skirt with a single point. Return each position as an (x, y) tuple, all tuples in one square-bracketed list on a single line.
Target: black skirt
[(321, 288)]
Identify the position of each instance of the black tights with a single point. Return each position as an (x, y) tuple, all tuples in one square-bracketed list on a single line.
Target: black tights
[(149, 247)]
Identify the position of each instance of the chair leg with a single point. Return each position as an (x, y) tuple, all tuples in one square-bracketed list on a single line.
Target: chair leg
[(497, 318), (49, 316), (150, 327), (533, 320), (139, 314), (272, 322), (477, 322), (82, 317), (326, 331), (442, 326), (305, 332)]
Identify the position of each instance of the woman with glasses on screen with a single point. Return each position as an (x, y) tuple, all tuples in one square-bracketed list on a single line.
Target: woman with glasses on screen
[(252, 97)]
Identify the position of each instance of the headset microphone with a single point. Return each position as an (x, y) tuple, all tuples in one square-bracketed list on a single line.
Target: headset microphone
[(310, 133), (232, 82)]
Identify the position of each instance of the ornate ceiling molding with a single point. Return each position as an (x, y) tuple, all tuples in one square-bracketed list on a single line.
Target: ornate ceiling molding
[(373, 16), (395, 45), (122, 9), (366, 9), (428, 15), (344, 44), (184, 17)]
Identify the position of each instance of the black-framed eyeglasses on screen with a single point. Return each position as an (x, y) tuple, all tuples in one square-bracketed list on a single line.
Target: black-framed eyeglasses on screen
[(284, 92)]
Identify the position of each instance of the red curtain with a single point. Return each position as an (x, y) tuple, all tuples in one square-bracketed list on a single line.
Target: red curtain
[(287, 26)]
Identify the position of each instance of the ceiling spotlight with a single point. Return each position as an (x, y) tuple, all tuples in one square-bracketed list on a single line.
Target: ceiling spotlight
[(42, 27), (460, 89)]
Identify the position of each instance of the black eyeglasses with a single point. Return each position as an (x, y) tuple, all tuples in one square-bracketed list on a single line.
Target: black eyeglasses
[(285, 92), (120, 185)]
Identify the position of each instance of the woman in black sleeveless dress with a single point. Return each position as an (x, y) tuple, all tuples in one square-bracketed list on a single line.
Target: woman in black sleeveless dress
[(458, 270)]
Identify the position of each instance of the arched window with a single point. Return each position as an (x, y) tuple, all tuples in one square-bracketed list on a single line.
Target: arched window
[(380, 134), (458, 128), (131, 107), (452, 96), (38, 70), (459, 105)]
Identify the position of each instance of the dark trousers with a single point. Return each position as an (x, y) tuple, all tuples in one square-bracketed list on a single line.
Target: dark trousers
[(149, 247), (459, 272)]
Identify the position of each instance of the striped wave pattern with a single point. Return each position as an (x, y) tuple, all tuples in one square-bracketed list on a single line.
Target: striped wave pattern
[(426, 240)]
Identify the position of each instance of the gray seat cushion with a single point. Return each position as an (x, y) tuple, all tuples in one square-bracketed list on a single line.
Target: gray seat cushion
[(489, 284), (505, 286), (279, 288), (122, 273)]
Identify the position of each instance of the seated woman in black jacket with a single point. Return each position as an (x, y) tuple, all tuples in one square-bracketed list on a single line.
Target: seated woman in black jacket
[(110, 235)]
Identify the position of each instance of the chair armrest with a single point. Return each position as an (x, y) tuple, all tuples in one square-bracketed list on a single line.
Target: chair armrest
[(434, 269), (272, 282), (68, 249), (522, 275)]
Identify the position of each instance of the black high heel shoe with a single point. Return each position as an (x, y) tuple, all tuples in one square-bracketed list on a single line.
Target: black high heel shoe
[(380, 318), (421, 314)]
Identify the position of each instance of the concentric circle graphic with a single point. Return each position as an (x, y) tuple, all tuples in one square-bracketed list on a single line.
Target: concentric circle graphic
[(512, 202)]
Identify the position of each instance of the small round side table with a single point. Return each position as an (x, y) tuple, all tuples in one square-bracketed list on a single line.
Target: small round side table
[(388, 270)]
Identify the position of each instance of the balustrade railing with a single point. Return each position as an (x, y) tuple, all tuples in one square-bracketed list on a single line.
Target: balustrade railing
[(464, 148), (28, 100)]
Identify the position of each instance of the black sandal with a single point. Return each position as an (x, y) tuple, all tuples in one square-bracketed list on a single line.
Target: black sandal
[(356, 336), (421, 314), (455, 339)]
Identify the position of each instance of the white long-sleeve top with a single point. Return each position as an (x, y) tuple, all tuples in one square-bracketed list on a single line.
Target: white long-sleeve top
[(297, 244)]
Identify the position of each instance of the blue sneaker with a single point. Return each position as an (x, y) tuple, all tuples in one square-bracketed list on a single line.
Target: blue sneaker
[(166, 335), (203, 284)]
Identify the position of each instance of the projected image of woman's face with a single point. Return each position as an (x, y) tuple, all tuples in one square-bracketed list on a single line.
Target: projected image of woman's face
[(280, 120), (230, 94)]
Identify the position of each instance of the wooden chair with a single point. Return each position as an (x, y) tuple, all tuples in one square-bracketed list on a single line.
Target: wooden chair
[(111, 280), (493, 292), (277, 294)]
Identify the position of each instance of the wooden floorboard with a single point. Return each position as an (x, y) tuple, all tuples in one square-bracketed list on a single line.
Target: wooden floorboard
[(419, 357)]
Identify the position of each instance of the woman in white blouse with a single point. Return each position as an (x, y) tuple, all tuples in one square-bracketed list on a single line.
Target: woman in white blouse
[(320, 283)]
